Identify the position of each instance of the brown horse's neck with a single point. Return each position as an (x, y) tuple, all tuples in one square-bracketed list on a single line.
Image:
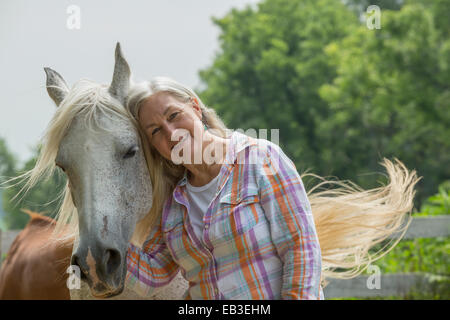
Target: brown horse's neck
[(38, 220)]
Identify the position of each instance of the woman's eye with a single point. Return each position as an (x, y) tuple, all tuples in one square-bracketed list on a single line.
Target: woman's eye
[(173, 115), (155, 131)]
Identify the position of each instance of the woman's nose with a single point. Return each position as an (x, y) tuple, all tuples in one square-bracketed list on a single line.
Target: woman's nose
[(169, 130)]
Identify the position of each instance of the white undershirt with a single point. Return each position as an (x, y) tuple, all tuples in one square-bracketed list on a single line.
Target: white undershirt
[(199, 200)]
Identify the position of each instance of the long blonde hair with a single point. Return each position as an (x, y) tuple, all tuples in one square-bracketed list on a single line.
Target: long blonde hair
[(349, 220), (163, 173)]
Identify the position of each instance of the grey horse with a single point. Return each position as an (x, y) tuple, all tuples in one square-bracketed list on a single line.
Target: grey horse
[(109, 186)]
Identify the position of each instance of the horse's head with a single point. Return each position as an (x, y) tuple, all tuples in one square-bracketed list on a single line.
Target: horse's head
[(108, 180)]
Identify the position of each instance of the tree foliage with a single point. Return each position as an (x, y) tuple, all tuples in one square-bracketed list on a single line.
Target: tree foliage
[(391, 95), (44, 197), (270, 67), (343, 96), (7, 169), (7, 161)]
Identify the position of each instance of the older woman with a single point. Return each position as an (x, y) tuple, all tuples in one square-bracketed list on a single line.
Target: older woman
[(231, 211)]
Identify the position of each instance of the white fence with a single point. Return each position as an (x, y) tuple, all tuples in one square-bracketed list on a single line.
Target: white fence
[(397, 284), (390, 284)]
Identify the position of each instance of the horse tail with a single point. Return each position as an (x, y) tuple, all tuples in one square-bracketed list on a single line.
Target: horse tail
[(350, 221)]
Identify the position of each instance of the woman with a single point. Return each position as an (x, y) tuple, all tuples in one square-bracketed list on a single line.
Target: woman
[(232, 212)]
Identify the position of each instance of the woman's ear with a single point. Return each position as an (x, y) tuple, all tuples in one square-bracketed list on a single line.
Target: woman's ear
[(195, 105), (194, 102)]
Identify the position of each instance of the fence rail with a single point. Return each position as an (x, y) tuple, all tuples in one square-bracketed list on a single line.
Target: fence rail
[(427, 227), (397, 284), (391, 284), (6, 239)]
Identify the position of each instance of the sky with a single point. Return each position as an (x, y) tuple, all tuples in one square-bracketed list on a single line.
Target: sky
[(173, 38)]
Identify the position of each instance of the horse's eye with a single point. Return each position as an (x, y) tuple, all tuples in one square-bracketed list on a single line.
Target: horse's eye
[(131, 152)]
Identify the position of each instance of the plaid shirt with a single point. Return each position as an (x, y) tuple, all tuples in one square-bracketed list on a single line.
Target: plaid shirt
[(259, 239)]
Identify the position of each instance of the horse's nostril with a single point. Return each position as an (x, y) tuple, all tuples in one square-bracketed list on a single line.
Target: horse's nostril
[(112, 258)]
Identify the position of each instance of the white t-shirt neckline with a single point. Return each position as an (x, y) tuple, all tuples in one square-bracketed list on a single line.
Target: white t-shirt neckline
[(201, 188), (199, 201)]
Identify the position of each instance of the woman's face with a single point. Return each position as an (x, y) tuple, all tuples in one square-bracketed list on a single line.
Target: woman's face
[(164, 119)]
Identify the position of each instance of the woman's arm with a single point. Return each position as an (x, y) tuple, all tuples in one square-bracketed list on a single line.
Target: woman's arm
[(151, 267), (292, 227)]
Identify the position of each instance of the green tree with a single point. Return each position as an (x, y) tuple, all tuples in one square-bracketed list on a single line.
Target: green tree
[(7, 169), (391, 95), (7, 161), (343, 96), (44, 197), (270, 67)]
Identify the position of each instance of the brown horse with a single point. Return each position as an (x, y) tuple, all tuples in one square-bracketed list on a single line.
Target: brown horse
[(35, 267)]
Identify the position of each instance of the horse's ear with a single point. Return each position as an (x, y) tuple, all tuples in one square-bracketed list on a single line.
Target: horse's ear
[(56, 86), (121, 77)]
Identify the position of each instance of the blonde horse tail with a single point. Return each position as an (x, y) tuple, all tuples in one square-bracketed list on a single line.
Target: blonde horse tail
[(350, 221)]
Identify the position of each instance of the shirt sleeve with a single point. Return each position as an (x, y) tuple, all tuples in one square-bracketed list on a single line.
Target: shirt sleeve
[(151, 267), (287, 208)]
